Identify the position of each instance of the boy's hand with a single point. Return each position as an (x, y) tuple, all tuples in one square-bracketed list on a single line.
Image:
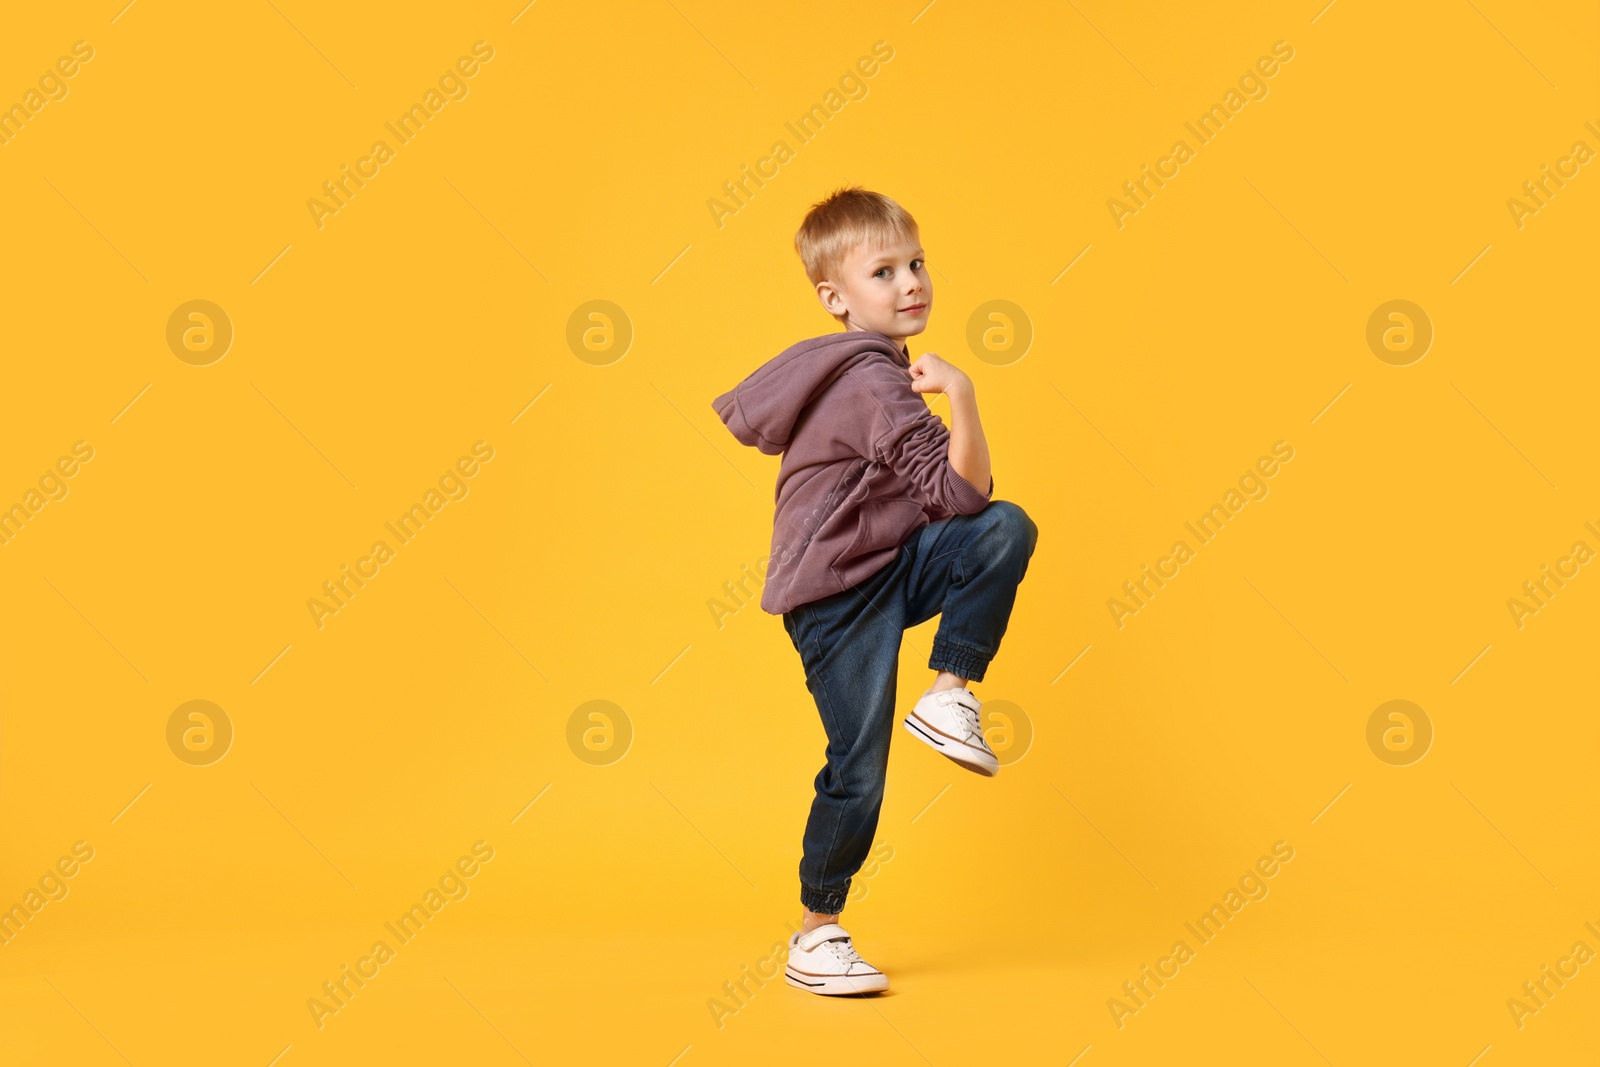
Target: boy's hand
[(931, 374)]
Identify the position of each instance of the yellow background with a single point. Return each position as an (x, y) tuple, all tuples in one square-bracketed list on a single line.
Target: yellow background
[(433, 308)]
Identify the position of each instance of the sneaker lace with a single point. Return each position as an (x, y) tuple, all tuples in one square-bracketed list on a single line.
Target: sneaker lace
[(968, 717), (846, 954)]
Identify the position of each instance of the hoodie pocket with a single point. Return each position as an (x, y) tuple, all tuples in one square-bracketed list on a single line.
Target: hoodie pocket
[(881, 524)]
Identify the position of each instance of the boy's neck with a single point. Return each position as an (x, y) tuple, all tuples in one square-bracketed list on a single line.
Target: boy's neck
[(900, 344)]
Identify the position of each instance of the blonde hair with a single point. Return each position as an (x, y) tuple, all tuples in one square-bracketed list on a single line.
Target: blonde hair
[(843, 220)]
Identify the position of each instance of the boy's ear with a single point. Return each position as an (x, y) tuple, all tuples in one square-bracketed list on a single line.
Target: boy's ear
[(832, 302)]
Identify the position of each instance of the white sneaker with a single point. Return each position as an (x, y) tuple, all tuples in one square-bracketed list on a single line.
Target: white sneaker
[(824, 961), (948, 720)]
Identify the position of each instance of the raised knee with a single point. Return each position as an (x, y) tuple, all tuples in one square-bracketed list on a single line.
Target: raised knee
[(1017, 526)]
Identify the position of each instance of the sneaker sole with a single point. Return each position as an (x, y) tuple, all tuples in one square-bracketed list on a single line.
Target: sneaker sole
[(967, 756), (836, 985)]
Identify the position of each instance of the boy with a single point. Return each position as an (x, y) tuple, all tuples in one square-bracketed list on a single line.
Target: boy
[(879, 526)]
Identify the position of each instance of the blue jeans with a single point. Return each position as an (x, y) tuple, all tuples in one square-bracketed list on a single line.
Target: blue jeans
[(965, 568)]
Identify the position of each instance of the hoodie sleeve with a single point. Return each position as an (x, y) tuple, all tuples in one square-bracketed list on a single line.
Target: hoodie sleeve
[(904, 434)]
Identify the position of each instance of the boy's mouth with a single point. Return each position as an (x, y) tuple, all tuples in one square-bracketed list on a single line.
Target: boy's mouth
[(914, 309)]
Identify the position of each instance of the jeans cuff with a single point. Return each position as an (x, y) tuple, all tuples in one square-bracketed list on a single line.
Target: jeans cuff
[(824, 901), (968, 663)]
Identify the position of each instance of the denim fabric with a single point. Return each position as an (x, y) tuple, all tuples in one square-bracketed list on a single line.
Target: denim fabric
[(965, 568)]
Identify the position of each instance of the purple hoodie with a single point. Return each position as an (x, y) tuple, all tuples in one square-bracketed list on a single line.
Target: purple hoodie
[(865, 463)]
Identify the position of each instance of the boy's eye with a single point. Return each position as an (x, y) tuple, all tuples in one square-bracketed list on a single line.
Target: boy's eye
[(916, 264)]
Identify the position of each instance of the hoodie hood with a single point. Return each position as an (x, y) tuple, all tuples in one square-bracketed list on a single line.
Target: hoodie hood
[(762, 410)]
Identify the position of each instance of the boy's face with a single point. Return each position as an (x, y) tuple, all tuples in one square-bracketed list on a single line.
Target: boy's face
[(882, 287)]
